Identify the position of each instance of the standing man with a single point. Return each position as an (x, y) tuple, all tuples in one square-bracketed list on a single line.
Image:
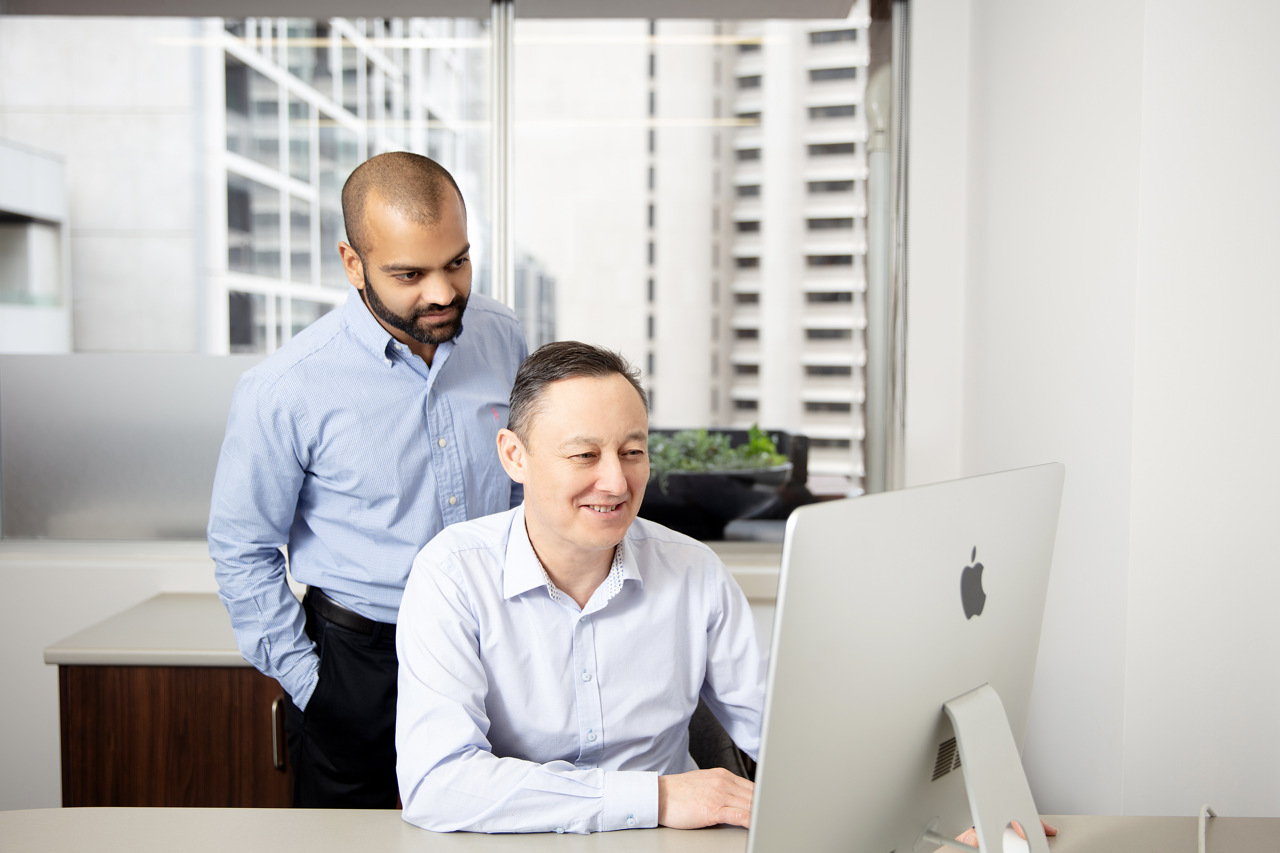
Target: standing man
[(352, 446), (553, 655)]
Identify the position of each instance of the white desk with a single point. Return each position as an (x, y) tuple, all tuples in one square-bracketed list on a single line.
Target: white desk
[(316, 831)]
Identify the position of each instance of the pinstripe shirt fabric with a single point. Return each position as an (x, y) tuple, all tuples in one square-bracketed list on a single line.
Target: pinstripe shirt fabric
[(348, 449)]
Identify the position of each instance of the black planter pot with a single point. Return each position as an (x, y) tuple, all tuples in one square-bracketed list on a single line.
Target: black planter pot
[(701, 503)]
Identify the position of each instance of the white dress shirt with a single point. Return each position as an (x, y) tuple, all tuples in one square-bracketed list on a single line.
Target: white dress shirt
[(520, 712)]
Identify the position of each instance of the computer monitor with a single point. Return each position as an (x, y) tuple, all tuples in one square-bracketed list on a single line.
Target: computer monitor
[(890, 607)]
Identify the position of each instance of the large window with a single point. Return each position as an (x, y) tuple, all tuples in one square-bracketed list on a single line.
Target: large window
[(680, 189), (691, 193)]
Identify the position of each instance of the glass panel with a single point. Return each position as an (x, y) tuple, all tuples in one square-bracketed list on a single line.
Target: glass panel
[(300, 240), (280, 319), (306, 53), (300, 121), (306, 312), (253, 114), (339, 155), (351, 66), (253, 227), (654, 183), (247, 314)]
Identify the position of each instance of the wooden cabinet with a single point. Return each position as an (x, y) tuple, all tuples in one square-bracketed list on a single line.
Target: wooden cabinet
[(159, 709), (172, 736)]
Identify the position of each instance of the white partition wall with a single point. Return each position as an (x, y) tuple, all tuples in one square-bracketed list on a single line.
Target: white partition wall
[(1103, 255)]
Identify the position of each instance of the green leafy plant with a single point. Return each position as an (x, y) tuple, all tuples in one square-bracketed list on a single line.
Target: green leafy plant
[(699, 450)]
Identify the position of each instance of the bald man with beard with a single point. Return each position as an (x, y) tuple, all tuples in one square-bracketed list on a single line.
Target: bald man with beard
[(350, 448)]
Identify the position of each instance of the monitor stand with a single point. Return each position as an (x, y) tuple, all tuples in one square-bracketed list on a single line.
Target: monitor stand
[(993, 775)]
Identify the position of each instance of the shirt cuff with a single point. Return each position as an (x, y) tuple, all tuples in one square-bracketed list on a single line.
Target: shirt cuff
[(630, 800), (300, 682)]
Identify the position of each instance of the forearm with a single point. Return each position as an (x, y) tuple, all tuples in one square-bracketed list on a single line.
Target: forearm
[(479, 792)]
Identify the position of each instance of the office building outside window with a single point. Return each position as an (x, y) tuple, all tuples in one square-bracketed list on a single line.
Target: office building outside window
[(697, 203)]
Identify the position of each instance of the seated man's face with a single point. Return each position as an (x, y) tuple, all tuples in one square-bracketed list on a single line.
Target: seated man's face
[(584, 468)]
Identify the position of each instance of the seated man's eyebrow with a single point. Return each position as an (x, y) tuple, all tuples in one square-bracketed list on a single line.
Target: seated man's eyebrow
[(580, 441), (593, 441)]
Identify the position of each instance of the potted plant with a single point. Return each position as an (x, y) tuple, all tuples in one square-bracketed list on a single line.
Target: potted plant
[(701, 479)]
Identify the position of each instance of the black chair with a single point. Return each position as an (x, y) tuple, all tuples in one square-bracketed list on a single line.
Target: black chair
[(710, 745)]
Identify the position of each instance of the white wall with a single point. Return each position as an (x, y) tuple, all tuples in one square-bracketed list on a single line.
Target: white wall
[(1204, 650), (1114, 309)]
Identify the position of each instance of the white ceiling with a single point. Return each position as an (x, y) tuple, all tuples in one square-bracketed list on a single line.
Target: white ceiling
[(721, 9)]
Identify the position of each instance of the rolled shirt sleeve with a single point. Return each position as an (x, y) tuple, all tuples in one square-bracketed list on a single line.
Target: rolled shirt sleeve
[(255, 494)]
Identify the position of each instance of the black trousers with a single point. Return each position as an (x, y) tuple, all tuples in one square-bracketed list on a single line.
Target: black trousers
[(342, 748)]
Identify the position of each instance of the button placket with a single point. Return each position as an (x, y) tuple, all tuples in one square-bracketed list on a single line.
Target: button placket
[(587, 690), (445, 460)]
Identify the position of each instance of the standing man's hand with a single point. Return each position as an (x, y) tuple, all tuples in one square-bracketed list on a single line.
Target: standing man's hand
[(704, 798)]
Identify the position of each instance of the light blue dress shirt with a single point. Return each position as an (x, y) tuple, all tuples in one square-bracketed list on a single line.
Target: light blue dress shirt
[(519, 712), (348, 449)]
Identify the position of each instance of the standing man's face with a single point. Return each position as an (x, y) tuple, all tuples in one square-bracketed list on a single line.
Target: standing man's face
[(415, 278), (584, 468)]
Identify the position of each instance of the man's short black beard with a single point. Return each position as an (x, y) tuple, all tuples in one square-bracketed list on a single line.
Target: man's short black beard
[(432, 335)]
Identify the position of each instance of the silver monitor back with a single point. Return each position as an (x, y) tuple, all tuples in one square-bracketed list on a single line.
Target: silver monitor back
[(871, 637)]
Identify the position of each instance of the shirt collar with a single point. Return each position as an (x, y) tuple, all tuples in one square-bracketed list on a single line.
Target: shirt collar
[(523, 571), (366, 328)]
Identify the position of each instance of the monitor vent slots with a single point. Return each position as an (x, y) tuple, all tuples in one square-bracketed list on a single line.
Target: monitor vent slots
[(948, 759)]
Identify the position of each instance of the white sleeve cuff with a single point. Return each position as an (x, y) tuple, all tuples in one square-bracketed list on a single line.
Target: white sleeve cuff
[(630, 800)]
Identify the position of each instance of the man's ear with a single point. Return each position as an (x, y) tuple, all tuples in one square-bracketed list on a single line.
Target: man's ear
[(352, 265), (511, 452)]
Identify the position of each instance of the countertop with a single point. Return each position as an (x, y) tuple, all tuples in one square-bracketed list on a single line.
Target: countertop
[(171, 629), (319, 830), (192, 628)]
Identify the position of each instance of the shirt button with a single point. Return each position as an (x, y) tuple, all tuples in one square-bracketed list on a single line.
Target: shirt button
[(586, 676), (591, 736), (631, 820), (442, 442), (453, 499), (560, 829)]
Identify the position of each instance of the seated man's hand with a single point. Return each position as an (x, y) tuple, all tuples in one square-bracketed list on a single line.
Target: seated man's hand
[(704, 798)]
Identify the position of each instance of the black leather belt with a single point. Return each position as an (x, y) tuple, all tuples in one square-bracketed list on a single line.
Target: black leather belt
[(332, 611)]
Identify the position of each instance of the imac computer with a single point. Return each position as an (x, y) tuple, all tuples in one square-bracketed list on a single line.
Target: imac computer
[(903, 650)]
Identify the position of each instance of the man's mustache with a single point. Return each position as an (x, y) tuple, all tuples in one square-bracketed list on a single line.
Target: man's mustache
[(457, 302)]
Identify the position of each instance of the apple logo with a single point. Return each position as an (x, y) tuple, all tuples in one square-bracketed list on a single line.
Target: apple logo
[(971, 594)]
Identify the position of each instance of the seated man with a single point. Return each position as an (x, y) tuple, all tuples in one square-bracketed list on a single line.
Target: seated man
[(552, 656)]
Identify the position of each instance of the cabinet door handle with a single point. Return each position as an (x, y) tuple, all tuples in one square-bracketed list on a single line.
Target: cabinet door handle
[(277, 722)]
